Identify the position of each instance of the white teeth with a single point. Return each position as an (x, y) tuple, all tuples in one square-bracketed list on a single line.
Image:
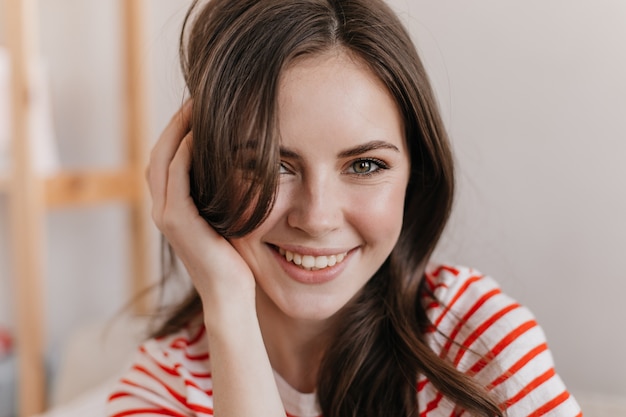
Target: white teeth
[(310, 262), (321, 262)]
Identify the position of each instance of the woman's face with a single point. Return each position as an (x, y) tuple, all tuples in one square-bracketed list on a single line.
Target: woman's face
[(344, 172)]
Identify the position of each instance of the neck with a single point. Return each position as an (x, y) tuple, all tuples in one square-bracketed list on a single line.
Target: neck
[(295, 346)]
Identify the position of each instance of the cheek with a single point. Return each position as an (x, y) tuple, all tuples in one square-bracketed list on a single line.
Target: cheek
[(244, 248), (380, 215), (251, 246), (248, 247)]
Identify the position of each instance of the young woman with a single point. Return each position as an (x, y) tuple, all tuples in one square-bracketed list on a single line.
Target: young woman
[(304, 191)]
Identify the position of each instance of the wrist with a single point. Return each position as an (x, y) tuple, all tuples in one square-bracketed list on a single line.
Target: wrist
[(231, 322)]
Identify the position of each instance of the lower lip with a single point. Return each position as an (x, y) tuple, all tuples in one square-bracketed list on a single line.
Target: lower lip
[(304, 276)]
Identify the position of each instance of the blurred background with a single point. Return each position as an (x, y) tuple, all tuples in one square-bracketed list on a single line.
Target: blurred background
[(534, 97)]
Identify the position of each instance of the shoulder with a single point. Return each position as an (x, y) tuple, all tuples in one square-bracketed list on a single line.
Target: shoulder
[(489, 335), (458, 297), (466, 305), (171, 375), (449, 283), (468, 313)]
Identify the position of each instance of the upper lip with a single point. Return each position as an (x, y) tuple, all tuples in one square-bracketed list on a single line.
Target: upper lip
[(302, 250)]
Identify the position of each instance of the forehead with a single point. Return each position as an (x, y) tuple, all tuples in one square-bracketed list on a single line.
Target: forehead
[(335, 94), (338, 65)]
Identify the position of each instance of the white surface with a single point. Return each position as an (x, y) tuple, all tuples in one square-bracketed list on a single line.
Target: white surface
[(95, 354), (91, 403), (43, 143)]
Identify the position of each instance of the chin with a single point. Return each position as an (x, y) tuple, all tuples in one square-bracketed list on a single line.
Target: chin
[(310, 308), (319, 311)]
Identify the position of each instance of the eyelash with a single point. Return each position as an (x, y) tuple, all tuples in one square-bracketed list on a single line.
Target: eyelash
[(378, 165), (283, 169)]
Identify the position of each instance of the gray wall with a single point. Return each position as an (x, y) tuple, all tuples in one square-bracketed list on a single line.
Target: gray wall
[(534, 97), (535, 101)]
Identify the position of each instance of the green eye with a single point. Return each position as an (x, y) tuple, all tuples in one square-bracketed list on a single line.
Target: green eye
[(367, 167), (362, 167)]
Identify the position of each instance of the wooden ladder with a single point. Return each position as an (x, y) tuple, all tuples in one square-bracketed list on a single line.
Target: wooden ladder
[(31, 195)]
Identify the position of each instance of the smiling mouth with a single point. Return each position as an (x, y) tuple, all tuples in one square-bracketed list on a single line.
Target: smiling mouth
[(312, 263)]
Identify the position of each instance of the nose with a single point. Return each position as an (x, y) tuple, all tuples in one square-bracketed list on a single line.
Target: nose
[(316, 207)]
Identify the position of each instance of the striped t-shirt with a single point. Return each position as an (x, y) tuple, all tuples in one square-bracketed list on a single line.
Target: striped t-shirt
[(482, 331)]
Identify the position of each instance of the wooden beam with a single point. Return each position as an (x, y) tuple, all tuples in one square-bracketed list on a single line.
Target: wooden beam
[(26, 211), (30, 195), (133, 44), (86, 188)]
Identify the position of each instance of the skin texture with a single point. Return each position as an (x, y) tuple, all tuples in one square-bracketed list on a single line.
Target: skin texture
[(344, 172)]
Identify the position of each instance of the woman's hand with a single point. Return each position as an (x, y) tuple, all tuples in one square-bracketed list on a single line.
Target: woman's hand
[(221, 277), (243, 381)]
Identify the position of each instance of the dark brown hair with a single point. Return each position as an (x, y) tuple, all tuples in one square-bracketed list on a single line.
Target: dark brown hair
[(233, 53)]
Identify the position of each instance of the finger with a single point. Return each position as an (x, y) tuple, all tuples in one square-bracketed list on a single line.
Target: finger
[(178, 187), (180, 213), (175, 185), (167, 144), (176, 129), (162, 154)]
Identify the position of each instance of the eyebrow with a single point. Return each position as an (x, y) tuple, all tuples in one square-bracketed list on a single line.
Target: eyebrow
[(288, 153), (366, 147), (347, 153)]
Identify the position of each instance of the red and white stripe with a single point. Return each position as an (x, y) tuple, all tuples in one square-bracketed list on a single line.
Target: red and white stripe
[(490, 336), (482, 331)]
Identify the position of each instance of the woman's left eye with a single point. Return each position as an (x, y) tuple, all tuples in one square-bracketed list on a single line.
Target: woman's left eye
[(366, 166)]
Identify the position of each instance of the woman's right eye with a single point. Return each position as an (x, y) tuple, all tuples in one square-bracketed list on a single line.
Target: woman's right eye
[(283, 169), (250, 165)]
